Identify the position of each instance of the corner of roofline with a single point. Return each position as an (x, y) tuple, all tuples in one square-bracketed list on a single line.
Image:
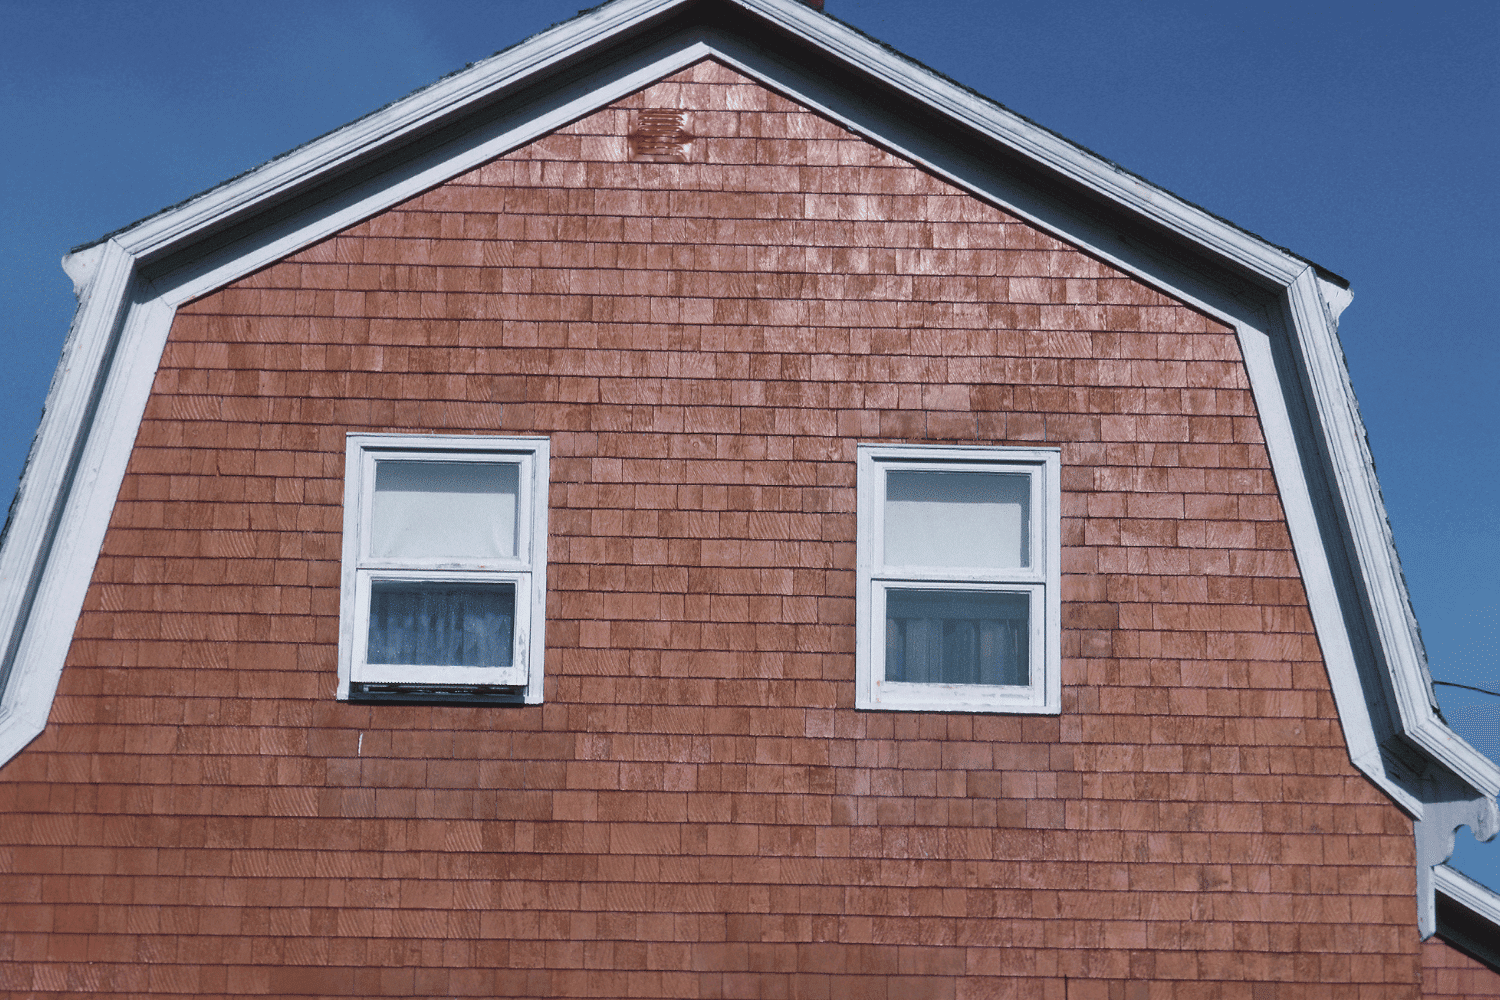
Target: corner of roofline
[(82, 247), (1335, 291), (1330, 276), (1445, 812), (81, 263)]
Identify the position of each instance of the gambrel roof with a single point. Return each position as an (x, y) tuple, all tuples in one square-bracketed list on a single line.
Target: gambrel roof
[(1284, 309)]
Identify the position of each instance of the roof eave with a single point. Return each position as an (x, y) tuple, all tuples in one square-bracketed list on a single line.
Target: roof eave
[(571, 41), (388, 128)]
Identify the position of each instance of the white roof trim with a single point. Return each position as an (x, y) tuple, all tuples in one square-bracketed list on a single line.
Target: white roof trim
[(1387, 598), (121, 322), (52, 467), (1479, 942), (387, 127), (1044, 146), (617, 80), (1466, 892)]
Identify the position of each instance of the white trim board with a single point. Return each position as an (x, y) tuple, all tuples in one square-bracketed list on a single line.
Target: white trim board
[(1463, 890), (1477, 932), (1284, 311)]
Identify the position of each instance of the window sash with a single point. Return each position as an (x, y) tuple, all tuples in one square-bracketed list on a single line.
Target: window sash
[(1036, 572), (937, 695), (975, 519), (432, 674), (525, 502), (445, 510), (950, 636)]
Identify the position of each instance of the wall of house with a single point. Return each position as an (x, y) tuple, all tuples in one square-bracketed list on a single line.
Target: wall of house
[(698, 810), (1449, 974)]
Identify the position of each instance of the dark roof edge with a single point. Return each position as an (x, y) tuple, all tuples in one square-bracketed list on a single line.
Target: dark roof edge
[(323, 135)]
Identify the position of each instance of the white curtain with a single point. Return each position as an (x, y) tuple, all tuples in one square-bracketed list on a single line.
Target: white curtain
[(459, 510), (442, 624), (960, 519)]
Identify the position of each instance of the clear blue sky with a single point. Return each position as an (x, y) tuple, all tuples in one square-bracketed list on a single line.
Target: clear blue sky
[(1363, 136)]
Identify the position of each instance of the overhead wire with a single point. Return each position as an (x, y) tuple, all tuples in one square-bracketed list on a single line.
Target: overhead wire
[(1468, 687)]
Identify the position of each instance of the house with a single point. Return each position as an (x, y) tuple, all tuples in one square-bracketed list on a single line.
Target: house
[(698, 504)]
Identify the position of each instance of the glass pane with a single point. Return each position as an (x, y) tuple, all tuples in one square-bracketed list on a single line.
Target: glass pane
[(442, 624), (970, 519), (957, 637), (454, 510)]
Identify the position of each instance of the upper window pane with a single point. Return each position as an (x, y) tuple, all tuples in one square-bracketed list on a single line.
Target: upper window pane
[(444, 510), (958, 519)]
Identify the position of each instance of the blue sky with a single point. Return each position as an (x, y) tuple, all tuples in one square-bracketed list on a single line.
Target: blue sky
[(1363, 136)]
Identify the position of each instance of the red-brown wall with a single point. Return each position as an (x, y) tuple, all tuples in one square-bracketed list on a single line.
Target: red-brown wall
[(698, 810), (1449, 974)]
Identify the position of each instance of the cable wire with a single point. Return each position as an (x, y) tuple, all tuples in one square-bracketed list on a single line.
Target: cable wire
[(1468, 687)]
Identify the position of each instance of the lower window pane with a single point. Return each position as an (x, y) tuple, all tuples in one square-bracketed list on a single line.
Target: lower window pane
[(957, 637), (442, 624)]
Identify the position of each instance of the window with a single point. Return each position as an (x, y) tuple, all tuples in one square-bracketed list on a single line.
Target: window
[(445, 568), (958, 606)]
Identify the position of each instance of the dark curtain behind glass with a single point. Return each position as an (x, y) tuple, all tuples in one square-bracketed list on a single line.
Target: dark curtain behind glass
[(442, 624), (957, 637)]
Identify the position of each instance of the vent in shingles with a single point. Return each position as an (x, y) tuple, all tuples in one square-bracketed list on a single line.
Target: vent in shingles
[(660, 134)]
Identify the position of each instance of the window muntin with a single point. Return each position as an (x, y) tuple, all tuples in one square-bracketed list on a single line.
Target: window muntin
[(444, 568), (958, 573)]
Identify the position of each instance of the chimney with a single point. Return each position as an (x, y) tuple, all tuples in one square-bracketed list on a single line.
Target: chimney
[(814, 4)]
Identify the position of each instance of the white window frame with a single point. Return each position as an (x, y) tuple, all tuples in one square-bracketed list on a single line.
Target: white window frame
[(1042, 581), (527, 571)]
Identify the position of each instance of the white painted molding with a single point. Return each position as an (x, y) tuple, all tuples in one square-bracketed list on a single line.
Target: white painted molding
[(1477, 931), (80, 267), (1448, 806), (391, 125), (1386, 597), (1286, 449), (1466, 892), (1337, 298), (30, 552), (99, 394)]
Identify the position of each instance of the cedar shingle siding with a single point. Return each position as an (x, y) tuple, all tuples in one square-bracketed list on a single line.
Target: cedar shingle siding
[(1449, 974), (697, 810)]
